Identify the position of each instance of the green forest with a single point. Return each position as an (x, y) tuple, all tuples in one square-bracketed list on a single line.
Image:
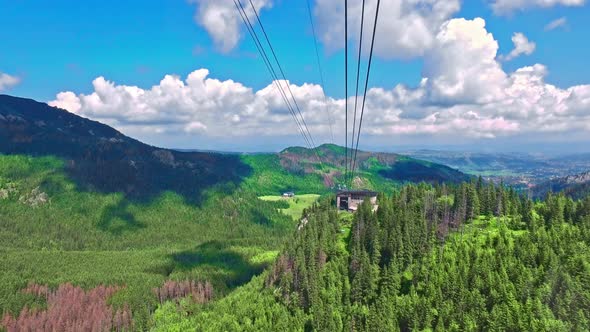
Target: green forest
[(473, 257), (294, 166)]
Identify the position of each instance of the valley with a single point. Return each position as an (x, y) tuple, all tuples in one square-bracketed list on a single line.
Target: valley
[(294, 166), (182, 239), (522, 170), (83, 205)]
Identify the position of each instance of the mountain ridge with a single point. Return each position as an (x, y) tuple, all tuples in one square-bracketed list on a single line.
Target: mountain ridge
[(101, 158), (391, 166), (575, 186)]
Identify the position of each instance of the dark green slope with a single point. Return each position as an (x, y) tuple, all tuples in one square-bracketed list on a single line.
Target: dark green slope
[(81, 203), (99, 158), (53, 233)]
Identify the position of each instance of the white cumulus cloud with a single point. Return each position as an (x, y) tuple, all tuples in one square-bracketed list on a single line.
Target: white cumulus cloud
[(406, 28), (8, 81), (67, 101), (522, 45), (461, 67), (222, 20)]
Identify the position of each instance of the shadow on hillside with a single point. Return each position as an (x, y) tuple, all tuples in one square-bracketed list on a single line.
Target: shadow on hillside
[(413, 171), (116, 219), (260, 218), (219, 262), (99, 158), (143, 176), (146, 177)]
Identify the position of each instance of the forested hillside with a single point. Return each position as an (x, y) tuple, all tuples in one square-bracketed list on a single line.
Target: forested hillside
[(467, 258), (153, 239), (323, 170), (98, 158), (94, 221)]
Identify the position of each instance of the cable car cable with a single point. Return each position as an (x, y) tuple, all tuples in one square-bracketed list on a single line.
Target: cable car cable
[(358, 72), (285, 79), (273, 74), (346, 91), (366, 82), (317, 54)]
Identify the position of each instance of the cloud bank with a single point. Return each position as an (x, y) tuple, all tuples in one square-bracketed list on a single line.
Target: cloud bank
[(465, 94), (409, 26)]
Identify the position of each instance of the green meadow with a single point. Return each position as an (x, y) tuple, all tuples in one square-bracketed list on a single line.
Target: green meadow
[(296, 204)]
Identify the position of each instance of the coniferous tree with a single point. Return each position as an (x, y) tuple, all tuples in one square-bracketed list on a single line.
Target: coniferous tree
[(395, 275), (473, 205)]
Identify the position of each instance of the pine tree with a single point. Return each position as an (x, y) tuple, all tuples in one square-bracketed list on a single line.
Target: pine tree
[(473, 206)]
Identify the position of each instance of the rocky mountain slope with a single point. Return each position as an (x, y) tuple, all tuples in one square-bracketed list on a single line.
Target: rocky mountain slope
[(576, 186)]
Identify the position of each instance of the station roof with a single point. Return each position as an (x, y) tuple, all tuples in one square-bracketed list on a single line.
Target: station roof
[(367, 193)]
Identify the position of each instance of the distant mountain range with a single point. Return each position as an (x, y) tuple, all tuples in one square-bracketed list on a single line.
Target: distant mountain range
[(483, 162), (100, 158), (576, 186), (513, 168)]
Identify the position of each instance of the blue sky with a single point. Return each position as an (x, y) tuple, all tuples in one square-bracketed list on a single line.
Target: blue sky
[(59, 46)]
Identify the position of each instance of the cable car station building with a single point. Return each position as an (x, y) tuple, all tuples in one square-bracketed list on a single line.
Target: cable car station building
[(350, 199)]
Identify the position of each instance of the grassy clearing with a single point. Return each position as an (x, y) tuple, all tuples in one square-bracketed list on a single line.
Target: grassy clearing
[(346, 219), (493, 225), (296, 204), (481, 229)]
